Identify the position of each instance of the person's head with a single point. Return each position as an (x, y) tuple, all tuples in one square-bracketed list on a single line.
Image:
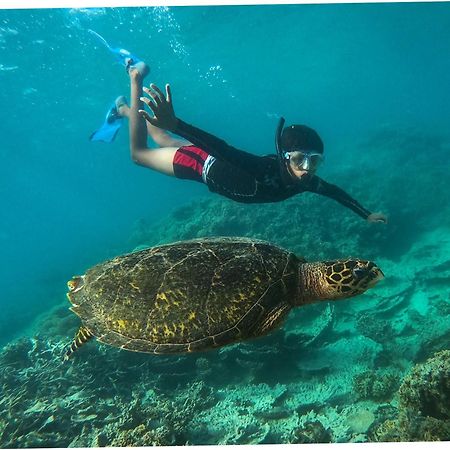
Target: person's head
[(301, 148)]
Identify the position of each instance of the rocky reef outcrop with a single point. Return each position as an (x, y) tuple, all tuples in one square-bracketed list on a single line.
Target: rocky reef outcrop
[(424, 403)]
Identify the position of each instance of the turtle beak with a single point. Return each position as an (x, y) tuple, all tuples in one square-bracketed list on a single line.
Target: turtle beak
[(369, 275), (375, 274), (74, 285)]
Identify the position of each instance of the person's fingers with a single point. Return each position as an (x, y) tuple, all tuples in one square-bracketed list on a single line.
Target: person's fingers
[(146, 100), (150, 102), (147, 90), (156, 98), (157, 90), (377, 217), (168, 93), (147, 116), (153, 95), (153, 107)]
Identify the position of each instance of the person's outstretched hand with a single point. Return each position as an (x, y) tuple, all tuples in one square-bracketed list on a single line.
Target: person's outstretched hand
[(377, 217), (161, 105)]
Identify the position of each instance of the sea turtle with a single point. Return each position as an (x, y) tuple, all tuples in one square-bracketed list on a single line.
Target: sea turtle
[(204, 293)]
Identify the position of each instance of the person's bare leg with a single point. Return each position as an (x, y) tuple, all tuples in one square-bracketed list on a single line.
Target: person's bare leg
[(160, 159)]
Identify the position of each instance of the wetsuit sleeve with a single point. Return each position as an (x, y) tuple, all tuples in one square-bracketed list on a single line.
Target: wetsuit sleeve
[(321, 187), (218, 147)]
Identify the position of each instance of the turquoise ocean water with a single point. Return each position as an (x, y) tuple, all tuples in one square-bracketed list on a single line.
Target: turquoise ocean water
[(372, 79)]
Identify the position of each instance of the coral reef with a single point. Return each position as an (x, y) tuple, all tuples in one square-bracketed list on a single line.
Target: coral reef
[(90, 402), (330, 375), (375, 385), (426, 390), (378, 330), (310, 433), (424, 404)]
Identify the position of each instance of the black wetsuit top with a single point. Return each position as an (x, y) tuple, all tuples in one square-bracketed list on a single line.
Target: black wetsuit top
[(248, 178)]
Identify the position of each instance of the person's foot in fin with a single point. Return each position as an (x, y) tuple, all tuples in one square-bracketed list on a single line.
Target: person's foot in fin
[(112, 115), (111, 126), (122, 107), (140, 69)]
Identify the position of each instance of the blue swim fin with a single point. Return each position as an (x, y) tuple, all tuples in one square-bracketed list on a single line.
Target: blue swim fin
[(122, 56), (108, 131)]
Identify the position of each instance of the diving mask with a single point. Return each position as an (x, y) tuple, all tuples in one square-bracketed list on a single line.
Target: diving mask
[(304, 159)]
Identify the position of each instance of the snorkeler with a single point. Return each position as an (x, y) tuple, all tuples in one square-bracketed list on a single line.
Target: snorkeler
[(226, 170)]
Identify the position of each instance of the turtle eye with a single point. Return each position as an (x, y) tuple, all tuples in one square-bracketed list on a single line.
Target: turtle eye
[(75, 284), (359, 273)]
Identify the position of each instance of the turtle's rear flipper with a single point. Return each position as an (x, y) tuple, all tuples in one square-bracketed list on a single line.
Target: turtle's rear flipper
[(83, 335)]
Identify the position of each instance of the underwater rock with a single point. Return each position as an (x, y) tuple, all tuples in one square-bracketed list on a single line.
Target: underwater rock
[(311, 432), (17, 354), (412, 429), (388, 431), (376, 329), (424, 404), (360, 421), (426, 390), (143, 437)]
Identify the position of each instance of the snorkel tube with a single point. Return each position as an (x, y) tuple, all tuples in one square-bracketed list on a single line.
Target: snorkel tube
[(278, 137), (286, 177)]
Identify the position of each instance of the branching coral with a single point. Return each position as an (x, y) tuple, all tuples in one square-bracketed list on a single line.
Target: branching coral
[(375, 385)]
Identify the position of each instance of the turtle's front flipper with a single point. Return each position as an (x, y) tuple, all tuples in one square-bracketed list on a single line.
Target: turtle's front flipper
[(83, 335), (272, 320)]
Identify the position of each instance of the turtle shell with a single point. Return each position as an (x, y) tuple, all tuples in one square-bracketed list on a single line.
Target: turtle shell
[(187, 296)]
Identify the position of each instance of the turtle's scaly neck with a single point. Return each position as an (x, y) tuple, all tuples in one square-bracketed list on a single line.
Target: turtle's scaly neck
[(311, 286)]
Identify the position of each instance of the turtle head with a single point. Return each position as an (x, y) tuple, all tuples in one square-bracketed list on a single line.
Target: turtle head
[(74, 285), (339, 279)]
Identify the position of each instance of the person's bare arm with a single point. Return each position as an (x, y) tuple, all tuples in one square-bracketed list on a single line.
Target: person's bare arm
[(160, 159)]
